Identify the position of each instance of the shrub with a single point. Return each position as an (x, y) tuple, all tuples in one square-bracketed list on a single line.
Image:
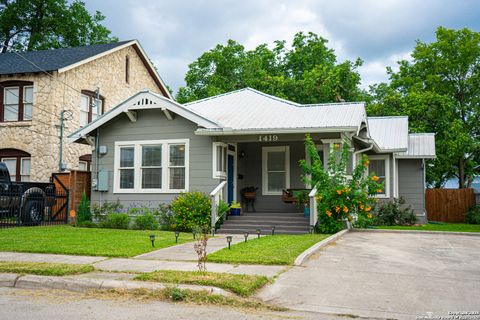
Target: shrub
[(166, 217), (339, 198), (86, 224), (191, 209), (473, 215), (146, 221), (394, 213), (100, 212), (84, 213), (116, 221)]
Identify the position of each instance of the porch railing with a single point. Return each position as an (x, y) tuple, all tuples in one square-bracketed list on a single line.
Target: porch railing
[(313, 206), (216, 195)]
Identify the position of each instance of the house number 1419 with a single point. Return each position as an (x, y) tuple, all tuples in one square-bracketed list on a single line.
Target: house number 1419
[(268, 138)]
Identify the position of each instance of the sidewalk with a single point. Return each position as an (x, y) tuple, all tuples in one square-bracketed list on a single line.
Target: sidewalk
[(186, 252), (139, 265)]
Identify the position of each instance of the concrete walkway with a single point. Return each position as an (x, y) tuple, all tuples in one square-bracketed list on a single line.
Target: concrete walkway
[(138, 265), (186, 252)]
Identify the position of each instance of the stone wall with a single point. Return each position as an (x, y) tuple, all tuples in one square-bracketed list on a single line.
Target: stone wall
[(40, 137)]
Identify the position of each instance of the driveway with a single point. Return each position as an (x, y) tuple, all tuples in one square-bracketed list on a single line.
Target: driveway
[(385, 275)]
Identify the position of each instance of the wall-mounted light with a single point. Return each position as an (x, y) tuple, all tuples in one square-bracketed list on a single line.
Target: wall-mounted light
[(242, 154)]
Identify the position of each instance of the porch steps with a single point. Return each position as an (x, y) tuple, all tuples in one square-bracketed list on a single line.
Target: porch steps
[(285, 223)]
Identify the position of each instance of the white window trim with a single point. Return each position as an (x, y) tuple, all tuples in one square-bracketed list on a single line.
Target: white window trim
[(137, 185), (387, 174), (265, 151), (218, 174)]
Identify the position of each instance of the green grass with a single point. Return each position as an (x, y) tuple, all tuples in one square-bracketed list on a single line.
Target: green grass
[(243, 285), (44, 269), (278, 249), (85, 241), (457, 227)]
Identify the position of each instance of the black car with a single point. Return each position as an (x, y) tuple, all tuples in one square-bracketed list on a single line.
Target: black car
[(24, 203)]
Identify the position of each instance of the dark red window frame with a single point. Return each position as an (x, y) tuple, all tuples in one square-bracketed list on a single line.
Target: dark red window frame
[(88, 159), (18, 154), (20, 85), (92, 95)]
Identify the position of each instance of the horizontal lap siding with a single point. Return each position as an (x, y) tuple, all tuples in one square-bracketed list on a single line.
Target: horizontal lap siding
[(152, 125), (411, 183)]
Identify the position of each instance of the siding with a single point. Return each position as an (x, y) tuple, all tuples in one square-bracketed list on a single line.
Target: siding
[(152, 125), (411, 183)]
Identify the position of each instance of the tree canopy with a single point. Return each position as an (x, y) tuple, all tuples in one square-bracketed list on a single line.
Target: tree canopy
[(439, 89), (307, 72), (27, 25)]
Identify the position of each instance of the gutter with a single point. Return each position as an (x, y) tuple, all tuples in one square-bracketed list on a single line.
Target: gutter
[(232, 132), (369, 141)]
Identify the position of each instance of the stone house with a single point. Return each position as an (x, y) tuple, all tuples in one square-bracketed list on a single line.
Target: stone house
[(35, 87)]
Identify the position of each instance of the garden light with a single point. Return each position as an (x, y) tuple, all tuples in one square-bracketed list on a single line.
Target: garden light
[(229, 240), (258, 233), (177, 233), (273, 230), (152, 239), (246, 235)]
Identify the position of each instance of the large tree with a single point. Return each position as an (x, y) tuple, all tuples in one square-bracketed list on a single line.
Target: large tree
[(307, 72), (27, 25), (439, 89)]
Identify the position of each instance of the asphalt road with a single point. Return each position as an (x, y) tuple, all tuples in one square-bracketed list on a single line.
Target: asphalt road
[(60, 305)]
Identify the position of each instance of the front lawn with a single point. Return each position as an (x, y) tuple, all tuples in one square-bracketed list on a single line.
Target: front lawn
[(457, 227), (278, 249), (243, 285), (44, 269), (85, 241)]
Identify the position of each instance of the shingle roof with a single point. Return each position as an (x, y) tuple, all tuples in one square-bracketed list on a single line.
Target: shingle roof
[(420, 145), (249, 110), (50, 60), (389, 133)]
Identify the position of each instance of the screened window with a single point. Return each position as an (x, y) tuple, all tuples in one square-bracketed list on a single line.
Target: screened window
[(16, 99), (151, 166), (276, 165), (219, 160), (91, 107), (379, 167)]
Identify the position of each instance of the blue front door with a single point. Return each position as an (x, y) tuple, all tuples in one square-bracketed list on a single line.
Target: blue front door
[(230, 177)]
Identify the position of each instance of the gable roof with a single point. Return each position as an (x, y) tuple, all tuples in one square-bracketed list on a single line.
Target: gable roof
[(420, 145), (64, 59), (248, 110), (144, 99), (389, 133)]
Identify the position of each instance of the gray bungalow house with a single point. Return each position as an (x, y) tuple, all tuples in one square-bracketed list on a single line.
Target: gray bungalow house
[(244, 146)]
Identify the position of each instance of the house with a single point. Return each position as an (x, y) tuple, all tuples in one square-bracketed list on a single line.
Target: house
[(35, 87), (151, 148)]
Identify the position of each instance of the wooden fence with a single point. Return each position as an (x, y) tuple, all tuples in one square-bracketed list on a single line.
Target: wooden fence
[(448, 205), (76, 182)]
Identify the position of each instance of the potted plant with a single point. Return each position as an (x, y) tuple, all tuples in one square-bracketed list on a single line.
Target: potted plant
[(235, 208), (303, 202)]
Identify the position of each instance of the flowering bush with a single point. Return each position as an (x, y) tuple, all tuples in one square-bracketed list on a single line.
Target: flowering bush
[(340, 197), (191, 209)]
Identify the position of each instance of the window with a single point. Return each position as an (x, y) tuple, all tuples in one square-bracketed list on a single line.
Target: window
[(219, 160), (90, 107), (84, 162), (379, 165), (16, 101), (18, 163), (275, 170), (127, 69), (159, 166)]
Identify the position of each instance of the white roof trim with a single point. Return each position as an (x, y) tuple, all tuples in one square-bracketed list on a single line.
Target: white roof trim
[(230, 132), (154, 101), (128, 44)]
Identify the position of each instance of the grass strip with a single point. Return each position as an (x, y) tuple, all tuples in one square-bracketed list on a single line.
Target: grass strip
[(44, 269), (452, 227), (243, 285)]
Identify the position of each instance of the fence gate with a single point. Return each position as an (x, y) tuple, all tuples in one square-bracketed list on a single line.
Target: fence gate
[(448, 205), (61, 208)]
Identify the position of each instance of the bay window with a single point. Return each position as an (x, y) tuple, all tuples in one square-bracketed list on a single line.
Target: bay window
[(154, 166), (16, 101), (379, 166)]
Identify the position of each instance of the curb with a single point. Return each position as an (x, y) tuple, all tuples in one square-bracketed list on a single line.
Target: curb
[(317, 246), (471, 234), (19, 281)]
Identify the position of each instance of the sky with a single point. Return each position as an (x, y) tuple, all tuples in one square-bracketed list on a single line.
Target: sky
[(175, 33)]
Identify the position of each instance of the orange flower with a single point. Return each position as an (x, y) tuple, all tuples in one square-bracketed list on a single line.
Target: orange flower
[(379, 190), (369, 216), (361, 207), (345, 209), (339, 191), (366, 163), (337, 209), (368, 208), (329, 214), (349, 218), (375, 178)]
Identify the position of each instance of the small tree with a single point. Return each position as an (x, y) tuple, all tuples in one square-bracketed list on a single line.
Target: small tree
[(338, 196), (84, 213)]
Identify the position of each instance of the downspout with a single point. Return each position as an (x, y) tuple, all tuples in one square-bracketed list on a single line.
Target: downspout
[(362, 151)]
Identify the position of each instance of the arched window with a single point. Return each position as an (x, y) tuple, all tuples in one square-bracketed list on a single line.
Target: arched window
[(16, 101), (84, 162), (18, 163), (90, 107)]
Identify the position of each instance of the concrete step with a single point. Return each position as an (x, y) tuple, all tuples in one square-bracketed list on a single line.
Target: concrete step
[(264, 227), (269, 218), (253, 232), (266, 222), (271, 213)]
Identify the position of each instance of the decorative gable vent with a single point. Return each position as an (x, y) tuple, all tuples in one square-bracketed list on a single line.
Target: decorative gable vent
[(144, 102)]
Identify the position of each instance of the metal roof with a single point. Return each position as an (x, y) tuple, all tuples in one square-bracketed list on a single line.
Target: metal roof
[(249, 110), (420, 145), (389, 133), (50, 60)]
